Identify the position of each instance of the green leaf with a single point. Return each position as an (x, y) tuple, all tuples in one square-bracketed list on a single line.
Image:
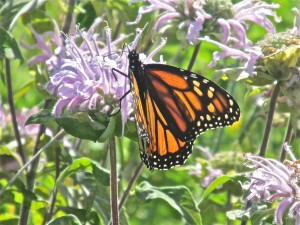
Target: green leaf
[(81, 214), (8, 46), (261, 79), (8, 219), (99, 184), (258, 214), (235, 214), (12, 10), (85, 165), (79, 165), (218, 182), (262, 215), (101, 175), (40, 117), (82, 126), (65, 220), (86, 19), (178, 197)]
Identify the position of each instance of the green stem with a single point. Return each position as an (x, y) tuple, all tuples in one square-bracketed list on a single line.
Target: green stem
[(31, 175), (117, 30), (248, 205), (13, 111), (113, 182), (130, 184), (267, 131), (69, 16), (287, 139), (49, 214), (194, 56), (228, 206)]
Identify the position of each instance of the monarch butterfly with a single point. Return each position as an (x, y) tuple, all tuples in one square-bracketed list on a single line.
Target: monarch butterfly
[(172, 107)]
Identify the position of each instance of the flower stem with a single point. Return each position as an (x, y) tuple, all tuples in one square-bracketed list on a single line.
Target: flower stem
[(267, 131), (130, 184), (287, 139), (248, 205), (49, 214), (194, 56), (69, 16), (12, 180), (113, 182), (13, 111), (31, 175)]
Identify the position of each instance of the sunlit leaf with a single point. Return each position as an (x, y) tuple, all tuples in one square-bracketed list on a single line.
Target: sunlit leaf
[(8, 46), (12, 10), (78, 165), (178, 197), (8, 219), (218, 182), (262, 215), (65, 220), (24, 89), (85, 165)]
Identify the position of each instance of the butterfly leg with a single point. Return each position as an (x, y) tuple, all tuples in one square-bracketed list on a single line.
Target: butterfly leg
[(113, 70), (120, 100)]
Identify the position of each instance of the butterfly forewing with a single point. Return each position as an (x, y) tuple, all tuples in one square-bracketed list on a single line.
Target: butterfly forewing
[(189, 102), (172, 107)]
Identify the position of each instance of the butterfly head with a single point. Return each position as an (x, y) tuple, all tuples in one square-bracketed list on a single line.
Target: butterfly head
[(133, 57)]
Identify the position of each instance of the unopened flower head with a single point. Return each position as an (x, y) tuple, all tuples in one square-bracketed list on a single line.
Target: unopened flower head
[(281, 61), (271, 180)]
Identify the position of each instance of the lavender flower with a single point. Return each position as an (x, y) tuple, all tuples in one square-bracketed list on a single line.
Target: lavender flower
[(3, 117), (84, 79), (45, 42), (224, 24), (272, 180), (22, 116), (188, 14), (296, 29), (213, 173), (31, 129), (234, 42)]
